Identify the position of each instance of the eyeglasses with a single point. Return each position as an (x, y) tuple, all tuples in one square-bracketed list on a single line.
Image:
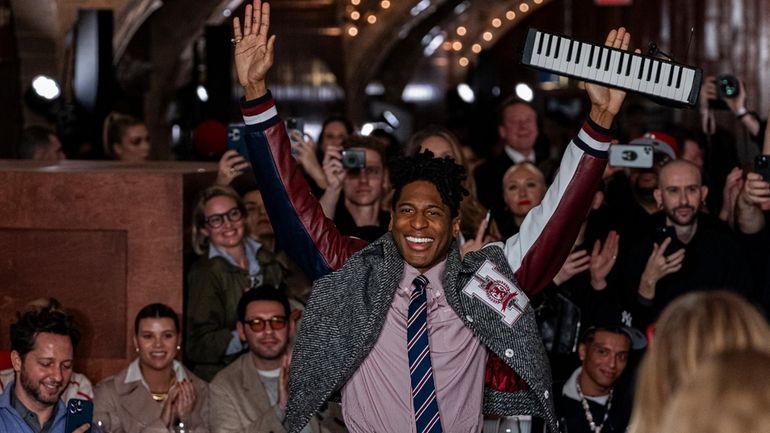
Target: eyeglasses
[(258, 325), (217, 219)]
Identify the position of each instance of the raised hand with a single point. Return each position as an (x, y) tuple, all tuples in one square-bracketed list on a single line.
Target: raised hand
[(606, 102), (231, 165), (577, 262), (283, 381), (658, 266), (253, 49), (603, 258)]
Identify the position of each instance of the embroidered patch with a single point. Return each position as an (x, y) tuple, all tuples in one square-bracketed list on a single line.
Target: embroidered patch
[(499, 293)]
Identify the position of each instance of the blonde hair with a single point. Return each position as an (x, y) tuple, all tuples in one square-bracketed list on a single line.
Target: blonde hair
[(524, 165), (115, 125), (732, 389), (692, 328), (200, 242)]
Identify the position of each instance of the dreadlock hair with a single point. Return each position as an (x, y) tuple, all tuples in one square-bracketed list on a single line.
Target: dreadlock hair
[(444, 173)]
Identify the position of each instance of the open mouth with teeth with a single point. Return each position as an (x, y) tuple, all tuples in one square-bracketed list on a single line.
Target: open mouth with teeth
[(419, 243)]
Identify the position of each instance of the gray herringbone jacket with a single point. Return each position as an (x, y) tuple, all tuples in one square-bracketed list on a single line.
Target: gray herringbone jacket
[(347, 310)]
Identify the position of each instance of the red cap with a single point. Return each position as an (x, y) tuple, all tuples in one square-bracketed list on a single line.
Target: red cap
[(660, 142)]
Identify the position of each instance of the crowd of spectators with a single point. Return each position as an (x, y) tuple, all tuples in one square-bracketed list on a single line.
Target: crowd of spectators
[(652, 315)]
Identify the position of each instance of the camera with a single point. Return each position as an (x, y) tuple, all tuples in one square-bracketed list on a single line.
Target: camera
[(728, 86), (353, 159)]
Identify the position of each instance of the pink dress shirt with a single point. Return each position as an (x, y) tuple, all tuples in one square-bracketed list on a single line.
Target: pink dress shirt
[(378, 396)]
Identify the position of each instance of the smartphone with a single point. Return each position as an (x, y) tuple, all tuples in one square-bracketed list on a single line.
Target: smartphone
[(762, 166), (661, 233), (631, 155), (79, 412), (295, 127), (236, 139)]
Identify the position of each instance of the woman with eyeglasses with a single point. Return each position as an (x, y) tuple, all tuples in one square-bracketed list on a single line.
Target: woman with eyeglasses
[(231, 263), (155, 393)]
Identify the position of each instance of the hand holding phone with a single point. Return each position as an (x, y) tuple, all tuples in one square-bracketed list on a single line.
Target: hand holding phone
[(762, 166), (661, 233), (79, 414)]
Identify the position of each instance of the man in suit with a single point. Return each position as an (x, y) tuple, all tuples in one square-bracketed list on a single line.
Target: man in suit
[(403, 327), (518, 131), (250, 395)]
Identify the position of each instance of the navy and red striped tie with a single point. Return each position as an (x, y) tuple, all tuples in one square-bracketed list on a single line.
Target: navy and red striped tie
[(420, 369)]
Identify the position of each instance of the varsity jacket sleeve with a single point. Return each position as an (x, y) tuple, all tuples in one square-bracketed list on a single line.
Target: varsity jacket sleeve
[(309, 238), (548, 232)]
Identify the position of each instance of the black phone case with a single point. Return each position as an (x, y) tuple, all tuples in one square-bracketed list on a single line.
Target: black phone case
[(661, 233)]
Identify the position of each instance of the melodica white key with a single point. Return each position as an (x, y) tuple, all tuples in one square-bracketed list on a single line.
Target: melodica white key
[(665, 81)]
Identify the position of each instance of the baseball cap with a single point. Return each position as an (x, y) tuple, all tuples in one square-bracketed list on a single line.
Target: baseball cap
[(616, 320), (660, 142)]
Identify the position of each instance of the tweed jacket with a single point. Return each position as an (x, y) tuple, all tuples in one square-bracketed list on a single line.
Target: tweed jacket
[(350, 318), (128, 407), (240, 404), (347, 310)]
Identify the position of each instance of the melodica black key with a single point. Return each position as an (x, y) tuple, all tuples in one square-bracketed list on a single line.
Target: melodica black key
[(642, 74)]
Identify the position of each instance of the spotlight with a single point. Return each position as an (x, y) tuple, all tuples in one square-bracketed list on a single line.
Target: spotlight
[(524, 92), (46, 87), (202, 93), (466, 93)]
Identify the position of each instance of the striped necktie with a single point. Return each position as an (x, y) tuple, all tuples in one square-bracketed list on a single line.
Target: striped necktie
[(420, 370)]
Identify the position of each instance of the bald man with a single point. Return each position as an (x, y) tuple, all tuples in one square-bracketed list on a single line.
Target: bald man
[(704, 255)]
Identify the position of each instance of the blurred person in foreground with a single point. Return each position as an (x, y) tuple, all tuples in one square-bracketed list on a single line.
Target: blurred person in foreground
[(691, 329)]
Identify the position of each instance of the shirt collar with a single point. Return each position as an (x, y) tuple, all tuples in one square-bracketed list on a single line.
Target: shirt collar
[(134, 373), (518, 157), (30, 418), (251, 246), (570, 389)]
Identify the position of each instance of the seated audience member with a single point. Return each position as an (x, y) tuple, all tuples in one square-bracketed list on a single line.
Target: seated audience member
[(364, 356), (126, 138), (443, 143), (251, 393), (589, 401), (704, 257), (691, 329), (155, 392), (43, 344), (353, 198), (728, 394), (231, 264), (79, 385), (41, 144)]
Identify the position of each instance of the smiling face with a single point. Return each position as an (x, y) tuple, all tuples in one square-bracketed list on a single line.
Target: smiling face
[(422, 225), (680, 192), (518, 127), (268, 345), (604, 359), (157, 339), (523, 189), (230, 233), (44, 372), (134, 144)]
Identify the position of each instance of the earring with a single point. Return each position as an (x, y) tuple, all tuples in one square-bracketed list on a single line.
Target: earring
[(178, 347), (136, 349)]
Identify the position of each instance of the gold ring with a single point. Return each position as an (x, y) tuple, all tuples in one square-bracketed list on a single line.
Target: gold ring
[(234, 41)]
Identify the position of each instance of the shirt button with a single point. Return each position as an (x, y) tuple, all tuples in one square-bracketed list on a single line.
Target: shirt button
[(509, 353), (545, 394), (469, 318)]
